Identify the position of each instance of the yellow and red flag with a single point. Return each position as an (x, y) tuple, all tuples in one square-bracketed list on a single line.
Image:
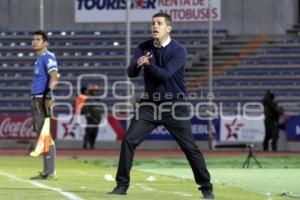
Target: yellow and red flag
[(44, 140)]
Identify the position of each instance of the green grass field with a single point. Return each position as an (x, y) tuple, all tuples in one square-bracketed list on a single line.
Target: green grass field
[(170, 179)]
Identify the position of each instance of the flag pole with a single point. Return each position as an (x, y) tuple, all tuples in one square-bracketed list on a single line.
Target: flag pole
[(42, 15), (128, 49), (210, 76)]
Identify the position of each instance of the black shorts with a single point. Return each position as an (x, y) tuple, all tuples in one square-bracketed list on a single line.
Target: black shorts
[(39, 112)]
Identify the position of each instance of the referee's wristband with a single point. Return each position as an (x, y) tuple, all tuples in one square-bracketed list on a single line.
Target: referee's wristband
[(49, 94)]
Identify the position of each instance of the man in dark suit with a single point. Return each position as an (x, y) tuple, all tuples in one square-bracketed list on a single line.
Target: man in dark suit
[(163, 61)]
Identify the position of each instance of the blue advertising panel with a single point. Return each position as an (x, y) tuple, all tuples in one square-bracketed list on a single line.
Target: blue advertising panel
[(199, 130), (293, 128)]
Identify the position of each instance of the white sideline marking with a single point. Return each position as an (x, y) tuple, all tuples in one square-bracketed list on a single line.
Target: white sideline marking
[(183, 194), (149, 189), (68, 195), (85, 173), (145, 188)]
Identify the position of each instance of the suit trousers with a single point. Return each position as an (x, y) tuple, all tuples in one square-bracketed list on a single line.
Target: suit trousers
[(146, 119)]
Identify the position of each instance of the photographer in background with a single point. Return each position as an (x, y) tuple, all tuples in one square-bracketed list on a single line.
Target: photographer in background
[(272, 114)]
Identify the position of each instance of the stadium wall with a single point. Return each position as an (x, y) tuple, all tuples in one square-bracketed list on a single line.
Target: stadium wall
[(146, 145), (244, 17)]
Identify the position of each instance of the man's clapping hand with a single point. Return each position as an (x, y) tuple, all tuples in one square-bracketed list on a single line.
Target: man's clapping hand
[(144, 60)]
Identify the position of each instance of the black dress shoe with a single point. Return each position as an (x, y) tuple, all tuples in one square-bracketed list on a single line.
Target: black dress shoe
[(208, 194), (119, 190)]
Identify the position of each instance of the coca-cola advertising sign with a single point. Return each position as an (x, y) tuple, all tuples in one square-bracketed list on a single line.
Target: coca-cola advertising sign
[(16, 127)]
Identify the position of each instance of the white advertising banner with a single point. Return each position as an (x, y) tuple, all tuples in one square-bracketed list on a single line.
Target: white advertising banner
[(89, 11), (74, 128), (239, 129)]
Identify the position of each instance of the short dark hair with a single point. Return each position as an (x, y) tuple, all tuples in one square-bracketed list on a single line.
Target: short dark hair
[(42, 33), (167, 17), (83, 90)]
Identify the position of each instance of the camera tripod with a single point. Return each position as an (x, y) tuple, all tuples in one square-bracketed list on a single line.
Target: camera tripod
[(251, 155)]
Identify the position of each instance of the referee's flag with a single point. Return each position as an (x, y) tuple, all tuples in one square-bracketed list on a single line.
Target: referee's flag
[(44, 140)]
